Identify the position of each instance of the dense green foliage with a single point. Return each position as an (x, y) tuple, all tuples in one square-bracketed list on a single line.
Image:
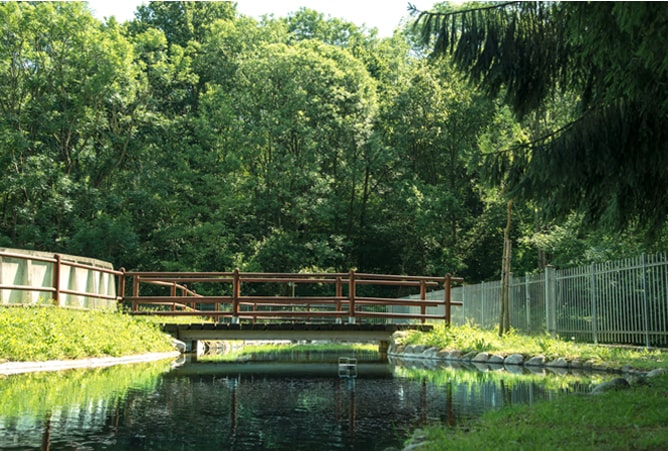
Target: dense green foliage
[(607, 158), (50, 333), (193, 138)]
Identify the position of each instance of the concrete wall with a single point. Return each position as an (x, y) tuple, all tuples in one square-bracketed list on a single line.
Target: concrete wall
[(27, 271)]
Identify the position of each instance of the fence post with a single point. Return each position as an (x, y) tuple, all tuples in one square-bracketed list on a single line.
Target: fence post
[(482, 304), (236, 294), (56, 279), (135, 292), (423, 298), (594, 313), (351, 297), (527, 301), (448, 300), (550, 300), (645, 312), (339, 295), (121, 286)]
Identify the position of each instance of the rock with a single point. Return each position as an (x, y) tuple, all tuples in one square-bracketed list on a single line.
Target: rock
[(495, 360), (443, 355), (514, 359), (538, 360), (481, 357), (469, 356), (415, 349), (558, 363), (455, 355), (657, 372), (618, 383), (431, 352)]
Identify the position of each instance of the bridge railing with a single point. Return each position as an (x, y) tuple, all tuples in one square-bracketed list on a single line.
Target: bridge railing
[(239, 298)]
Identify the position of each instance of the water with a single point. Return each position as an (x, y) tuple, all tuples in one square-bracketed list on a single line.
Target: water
[(294, 405)]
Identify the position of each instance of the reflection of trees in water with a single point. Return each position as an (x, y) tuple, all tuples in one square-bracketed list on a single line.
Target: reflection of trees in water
[(244, 411)]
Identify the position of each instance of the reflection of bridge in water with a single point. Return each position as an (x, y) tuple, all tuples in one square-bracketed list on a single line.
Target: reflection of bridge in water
[(284, 306)]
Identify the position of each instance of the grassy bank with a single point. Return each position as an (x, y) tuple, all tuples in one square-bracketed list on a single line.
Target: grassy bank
[(49, 333), (468, 338), (636, 418)]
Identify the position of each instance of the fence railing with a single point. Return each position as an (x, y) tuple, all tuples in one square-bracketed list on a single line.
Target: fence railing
[(37, 278), (624, 301), (239, 296)]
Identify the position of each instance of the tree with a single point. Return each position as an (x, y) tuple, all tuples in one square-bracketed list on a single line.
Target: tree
[(68, 118), (611, 57)]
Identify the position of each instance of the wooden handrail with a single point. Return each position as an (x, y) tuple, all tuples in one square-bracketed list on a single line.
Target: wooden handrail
[(238, 306)]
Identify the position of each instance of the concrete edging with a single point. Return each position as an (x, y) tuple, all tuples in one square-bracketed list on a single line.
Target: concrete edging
[(9, 368)]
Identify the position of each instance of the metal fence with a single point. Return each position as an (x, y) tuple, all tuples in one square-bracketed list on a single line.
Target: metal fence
[(623, 302)]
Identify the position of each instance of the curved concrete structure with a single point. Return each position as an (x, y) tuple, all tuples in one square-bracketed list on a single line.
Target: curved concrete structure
[(37, 278)]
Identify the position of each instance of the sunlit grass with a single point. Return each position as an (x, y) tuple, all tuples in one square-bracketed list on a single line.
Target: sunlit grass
[(51, 333), (469, 338)]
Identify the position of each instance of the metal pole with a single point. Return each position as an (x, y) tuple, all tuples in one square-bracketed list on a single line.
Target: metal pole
[(594, 319), (644, 299), (448, 300), (351, 297), (527, 300)]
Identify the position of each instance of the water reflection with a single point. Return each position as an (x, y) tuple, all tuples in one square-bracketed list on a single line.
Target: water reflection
[(292, 405)]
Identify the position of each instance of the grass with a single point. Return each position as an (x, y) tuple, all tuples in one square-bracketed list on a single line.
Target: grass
[(469, 338), (630, 419), (51, 333), (636, 418)]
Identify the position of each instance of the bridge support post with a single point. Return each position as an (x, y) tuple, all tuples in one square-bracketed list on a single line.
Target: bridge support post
[(383, 347)]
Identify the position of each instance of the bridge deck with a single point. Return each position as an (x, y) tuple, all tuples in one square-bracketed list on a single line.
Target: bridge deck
[(288, 331)]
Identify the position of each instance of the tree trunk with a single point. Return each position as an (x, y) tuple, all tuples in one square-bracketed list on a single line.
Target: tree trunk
[(504, 320)]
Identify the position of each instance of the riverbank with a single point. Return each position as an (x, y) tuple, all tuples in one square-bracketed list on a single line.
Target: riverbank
[(50, 338), (629, 413), (8, 368)]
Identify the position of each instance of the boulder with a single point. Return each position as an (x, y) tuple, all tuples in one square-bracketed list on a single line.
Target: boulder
[(538, 360), (495, 360), (455, 355), (657, 372), (558, 363), (443, 355), (468, 356), (481, 357), (514, 359), (618, 383)]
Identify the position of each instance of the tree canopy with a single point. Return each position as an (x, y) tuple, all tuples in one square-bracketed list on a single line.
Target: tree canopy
[(195, 138), (609, 159)]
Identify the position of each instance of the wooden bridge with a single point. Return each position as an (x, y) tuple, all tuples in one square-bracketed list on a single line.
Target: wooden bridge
[(295, 306)]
